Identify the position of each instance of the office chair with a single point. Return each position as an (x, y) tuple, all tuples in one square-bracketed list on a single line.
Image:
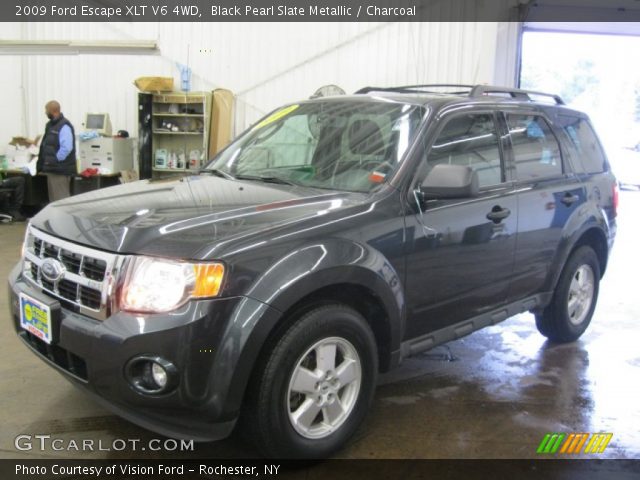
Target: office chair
[(5, 196)]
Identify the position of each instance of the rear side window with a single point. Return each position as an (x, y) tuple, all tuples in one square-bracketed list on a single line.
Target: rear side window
[(470, 140), (586, 143), (535, 148)]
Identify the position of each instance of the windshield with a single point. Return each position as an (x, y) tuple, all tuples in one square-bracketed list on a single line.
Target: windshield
[(341, 145)]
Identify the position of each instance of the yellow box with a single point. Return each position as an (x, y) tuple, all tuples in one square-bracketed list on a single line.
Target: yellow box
[(154, 84)]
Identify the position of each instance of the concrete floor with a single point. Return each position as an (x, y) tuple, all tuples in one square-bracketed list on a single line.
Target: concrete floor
[(505, 389)]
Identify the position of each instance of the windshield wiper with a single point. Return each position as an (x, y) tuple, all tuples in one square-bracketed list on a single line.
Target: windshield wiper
[(216, 172), (266, 179)]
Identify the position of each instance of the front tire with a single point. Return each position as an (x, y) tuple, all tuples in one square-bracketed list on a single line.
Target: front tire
[(568, 315), (315, 387)]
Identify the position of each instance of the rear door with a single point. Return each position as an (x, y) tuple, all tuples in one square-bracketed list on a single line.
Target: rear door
[(548, 194), (461, 251), (590, 163)]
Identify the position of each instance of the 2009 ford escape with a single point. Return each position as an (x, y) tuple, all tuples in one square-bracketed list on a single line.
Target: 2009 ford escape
[(331, 240)]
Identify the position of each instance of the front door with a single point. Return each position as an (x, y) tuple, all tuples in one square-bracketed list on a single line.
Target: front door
[(461, 251)]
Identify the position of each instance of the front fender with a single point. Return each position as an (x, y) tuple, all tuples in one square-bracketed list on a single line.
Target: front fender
[(330, 262), (293, 277)]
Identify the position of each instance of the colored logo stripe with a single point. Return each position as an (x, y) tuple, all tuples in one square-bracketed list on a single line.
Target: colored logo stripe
[(598, 443), (550, 443), (573, 443), (570, 438)]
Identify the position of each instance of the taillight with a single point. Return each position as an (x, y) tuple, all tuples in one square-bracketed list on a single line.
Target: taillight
[(616, 199)]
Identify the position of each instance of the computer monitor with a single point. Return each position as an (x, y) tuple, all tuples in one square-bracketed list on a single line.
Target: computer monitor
[(99, 122)]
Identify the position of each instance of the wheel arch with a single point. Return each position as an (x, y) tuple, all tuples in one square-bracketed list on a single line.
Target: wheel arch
[(592, 236), (362, 299)]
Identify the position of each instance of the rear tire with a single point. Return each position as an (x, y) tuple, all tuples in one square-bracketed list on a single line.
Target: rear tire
[(568, 315), (313, 388)]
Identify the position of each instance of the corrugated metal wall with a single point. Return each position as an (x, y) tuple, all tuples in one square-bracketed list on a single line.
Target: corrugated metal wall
[(12, 120), (265, 64)]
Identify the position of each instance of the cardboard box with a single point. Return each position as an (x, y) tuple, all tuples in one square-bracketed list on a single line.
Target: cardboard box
[(154, 84), (127, 176), (24, 141), (221, 120)]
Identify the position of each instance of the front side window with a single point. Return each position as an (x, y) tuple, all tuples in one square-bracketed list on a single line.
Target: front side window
[(332, 144), (471, 140), (535, 148)]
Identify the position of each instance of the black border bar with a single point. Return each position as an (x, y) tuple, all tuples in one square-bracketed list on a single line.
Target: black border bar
[(329, 469), (313, 11)]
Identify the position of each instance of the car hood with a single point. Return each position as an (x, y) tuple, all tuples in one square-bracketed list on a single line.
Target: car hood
[(180, 218)]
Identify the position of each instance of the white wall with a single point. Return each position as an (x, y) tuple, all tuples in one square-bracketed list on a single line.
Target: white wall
[(12, 120), (265, 64)]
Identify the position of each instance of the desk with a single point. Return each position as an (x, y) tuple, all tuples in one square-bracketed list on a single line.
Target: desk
[(81, 184), (36, 193)]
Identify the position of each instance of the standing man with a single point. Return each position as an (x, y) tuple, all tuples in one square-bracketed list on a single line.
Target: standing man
[(57, 158)]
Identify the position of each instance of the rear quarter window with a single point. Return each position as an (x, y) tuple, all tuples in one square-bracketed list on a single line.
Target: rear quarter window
[(591, 157)]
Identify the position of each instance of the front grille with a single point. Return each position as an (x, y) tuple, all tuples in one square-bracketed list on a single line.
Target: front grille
[(86, 278), (92, 268), (71, 261), (67, 289), (90, 297), (63, 358)]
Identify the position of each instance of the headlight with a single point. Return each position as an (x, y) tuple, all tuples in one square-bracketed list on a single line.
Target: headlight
[(159, 285)]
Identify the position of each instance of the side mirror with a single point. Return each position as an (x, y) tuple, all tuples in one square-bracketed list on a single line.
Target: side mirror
[(450, 181)]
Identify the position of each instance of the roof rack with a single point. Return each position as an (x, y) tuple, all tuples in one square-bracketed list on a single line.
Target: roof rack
[(516, 93), (469, 90), (420, 89)]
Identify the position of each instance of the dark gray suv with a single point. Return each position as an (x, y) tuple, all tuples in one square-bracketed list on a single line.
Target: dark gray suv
[(331, 240)]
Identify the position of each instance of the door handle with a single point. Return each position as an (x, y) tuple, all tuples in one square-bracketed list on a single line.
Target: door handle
[(569, 199), (497, 214)]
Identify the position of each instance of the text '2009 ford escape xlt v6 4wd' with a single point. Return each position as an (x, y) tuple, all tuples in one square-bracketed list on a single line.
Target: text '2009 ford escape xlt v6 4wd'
[(331, 240)]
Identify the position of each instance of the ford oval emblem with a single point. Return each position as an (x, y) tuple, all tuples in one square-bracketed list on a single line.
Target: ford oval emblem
[(52, 270)]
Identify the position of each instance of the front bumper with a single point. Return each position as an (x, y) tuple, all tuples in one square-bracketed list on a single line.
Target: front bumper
[(199, 339)]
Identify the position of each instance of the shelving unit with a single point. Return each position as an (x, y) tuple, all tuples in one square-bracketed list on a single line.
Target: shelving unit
[(180, 124), (178, 115), (161, 132), (172, 170), (184, 129)]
